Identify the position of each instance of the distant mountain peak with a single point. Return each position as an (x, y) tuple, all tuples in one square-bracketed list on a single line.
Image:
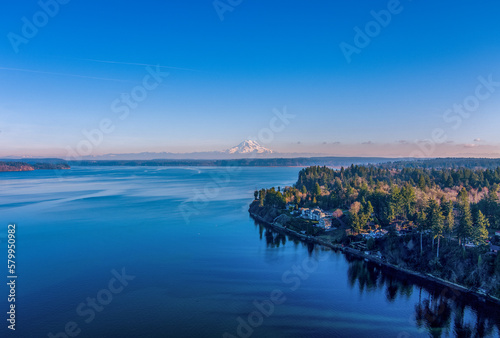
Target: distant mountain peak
[(249, 147)]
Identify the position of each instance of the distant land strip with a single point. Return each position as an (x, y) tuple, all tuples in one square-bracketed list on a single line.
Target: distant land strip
[(388, 163), (335, 162), (23, 166)]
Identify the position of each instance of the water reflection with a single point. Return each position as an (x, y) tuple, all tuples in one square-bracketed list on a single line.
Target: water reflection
[(441, 311), (433, 314), (438, 311), (274, 239), (370, 277)]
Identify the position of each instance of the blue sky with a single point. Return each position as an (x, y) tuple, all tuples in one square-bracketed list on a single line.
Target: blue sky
[(226, 77)]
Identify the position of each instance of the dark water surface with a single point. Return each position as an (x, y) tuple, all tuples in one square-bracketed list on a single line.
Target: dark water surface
[(188, 261)]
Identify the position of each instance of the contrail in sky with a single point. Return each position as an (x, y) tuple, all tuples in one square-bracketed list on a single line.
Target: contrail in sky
[(64, 74)]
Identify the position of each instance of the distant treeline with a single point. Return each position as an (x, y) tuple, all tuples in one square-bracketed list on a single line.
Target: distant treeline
[(246, 162), (381, 162), (444, 163), (23, 166), (386, 163), (42, 166)]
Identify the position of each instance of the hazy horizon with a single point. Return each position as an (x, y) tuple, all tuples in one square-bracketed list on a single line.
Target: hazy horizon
[(416, 150)]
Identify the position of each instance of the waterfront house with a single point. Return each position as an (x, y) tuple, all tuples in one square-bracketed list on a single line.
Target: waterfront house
[(305, 212), (313, 214), (375, 234), (316, 214)]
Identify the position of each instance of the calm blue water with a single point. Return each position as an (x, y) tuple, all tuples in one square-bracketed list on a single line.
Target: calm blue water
[(198, 263)]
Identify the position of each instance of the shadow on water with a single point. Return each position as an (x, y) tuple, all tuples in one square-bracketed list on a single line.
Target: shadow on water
[(275, 239), (441, 311), (370, 277)]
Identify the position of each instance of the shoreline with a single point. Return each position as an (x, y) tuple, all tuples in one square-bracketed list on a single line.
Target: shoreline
[(26, 170), (370, 258)]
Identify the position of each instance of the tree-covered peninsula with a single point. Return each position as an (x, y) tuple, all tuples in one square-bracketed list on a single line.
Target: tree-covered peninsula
[(23, 166), (438, 221)]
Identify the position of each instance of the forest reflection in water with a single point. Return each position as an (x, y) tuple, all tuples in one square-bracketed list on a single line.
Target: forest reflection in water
[(439, 310)]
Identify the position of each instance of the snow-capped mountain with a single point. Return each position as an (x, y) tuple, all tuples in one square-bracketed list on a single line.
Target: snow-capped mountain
[(249, 147), (246, 149)]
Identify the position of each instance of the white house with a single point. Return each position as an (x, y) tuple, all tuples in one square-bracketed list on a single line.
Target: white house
[(314, 214), (317, 214), (305, 212)]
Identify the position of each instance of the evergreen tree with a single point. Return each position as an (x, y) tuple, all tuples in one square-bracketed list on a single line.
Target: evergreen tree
[(449, 217), (421, 182), (409, 200), (396, 200), (491, 207), (354, 219), (463, 197), (449, 182), (435, 221), (465, 226), (317, 189), (369, 210), (480, 233), (422, 226), (262, 195)]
